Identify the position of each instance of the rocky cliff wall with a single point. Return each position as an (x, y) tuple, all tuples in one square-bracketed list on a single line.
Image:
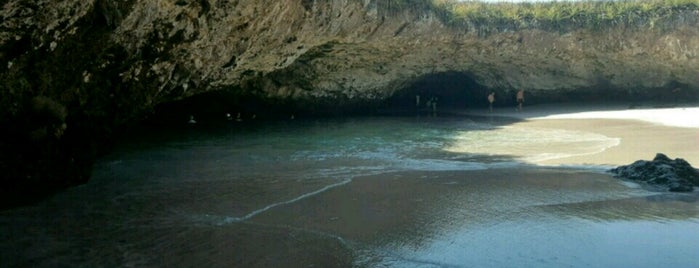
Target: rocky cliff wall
[(73, 70)]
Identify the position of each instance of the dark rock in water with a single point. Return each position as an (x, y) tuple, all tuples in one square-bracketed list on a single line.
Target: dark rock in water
[(677, 175)]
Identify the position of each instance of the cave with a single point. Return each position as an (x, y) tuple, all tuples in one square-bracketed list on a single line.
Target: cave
[(452, 90), (460, 91), (214, 106)]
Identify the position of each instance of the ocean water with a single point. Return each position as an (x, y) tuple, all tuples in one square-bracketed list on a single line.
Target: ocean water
[(261, 194)]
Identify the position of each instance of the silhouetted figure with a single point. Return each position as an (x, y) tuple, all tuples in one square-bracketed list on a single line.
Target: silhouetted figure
[(491, 99), (239, 118), (520, 99), (191, 120)]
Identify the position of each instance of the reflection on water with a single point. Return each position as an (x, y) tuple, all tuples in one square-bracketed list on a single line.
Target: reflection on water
[(400, 192), (575, 220), (536, 243)]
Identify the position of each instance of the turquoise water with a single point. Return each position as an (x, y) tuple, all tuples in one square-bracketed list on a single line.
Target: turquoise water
[(206, 195)]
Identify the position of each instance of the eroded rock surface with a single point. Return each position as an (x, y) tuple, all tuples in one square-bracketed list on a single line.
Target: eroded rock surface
[(673, 175), (140, 53)]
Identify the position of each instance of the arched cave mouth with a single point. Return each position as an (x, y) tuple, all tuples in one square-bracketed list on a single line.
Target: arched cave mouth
[(454, 91), (451, 90), (458, 91)]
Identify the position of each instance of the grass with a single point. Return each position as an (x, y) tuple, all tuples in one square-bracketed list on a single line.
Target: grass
[(560, 16)]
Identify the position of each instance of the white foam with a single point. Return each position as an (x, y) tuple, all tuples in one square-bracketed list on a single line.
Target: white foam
[(228, 220), (531, 145), (439, 165)]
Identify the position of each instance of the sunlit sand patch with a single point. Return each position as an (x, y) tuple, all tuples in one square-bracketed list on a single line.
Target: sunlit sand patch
[(531, 144), (676, 117)]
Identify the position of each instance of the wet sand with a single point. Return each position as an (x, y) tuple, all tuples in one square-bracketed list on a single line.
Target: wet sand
[(405, 205), (459, 218), (351, 225)]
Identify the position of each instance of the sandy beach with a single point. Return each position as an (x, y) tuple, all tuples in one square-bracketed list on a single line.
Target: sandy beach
[(642, 132)]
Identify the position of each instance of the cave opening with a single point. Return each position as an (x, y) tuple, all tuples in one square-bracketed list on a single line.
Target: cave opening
[(458, 91), (218, 106), (451, 90)]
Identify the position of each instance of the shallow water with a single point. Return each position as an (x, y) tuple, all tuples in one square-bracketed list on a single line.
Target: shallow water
[(388, 191)]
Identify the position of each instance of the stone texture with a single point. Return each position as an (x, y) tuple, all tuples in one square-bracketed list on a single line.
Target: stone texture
[(329, 50), (673, 175)]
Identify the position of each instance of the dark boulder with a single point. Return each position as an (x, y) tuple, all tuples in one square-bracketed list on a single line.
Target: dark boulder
[(676, 175)]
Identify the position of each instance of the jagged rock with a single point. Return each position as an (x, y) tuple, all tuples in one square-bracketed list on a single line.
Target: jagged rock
[(676, 175)]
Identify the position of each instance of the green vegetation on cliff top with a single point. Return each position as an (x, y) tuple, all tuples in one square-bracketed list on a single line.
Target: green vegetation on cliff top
[(553, 15)]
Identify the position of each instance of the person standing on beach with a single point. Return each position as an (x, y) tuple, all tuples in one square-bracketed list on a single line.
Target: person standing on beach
[(491, 99), (520, 99)]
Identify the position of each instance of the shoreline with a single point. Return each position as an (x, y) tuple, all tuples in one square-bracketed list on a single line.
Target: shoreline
[(643, 131), (676, 116)]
